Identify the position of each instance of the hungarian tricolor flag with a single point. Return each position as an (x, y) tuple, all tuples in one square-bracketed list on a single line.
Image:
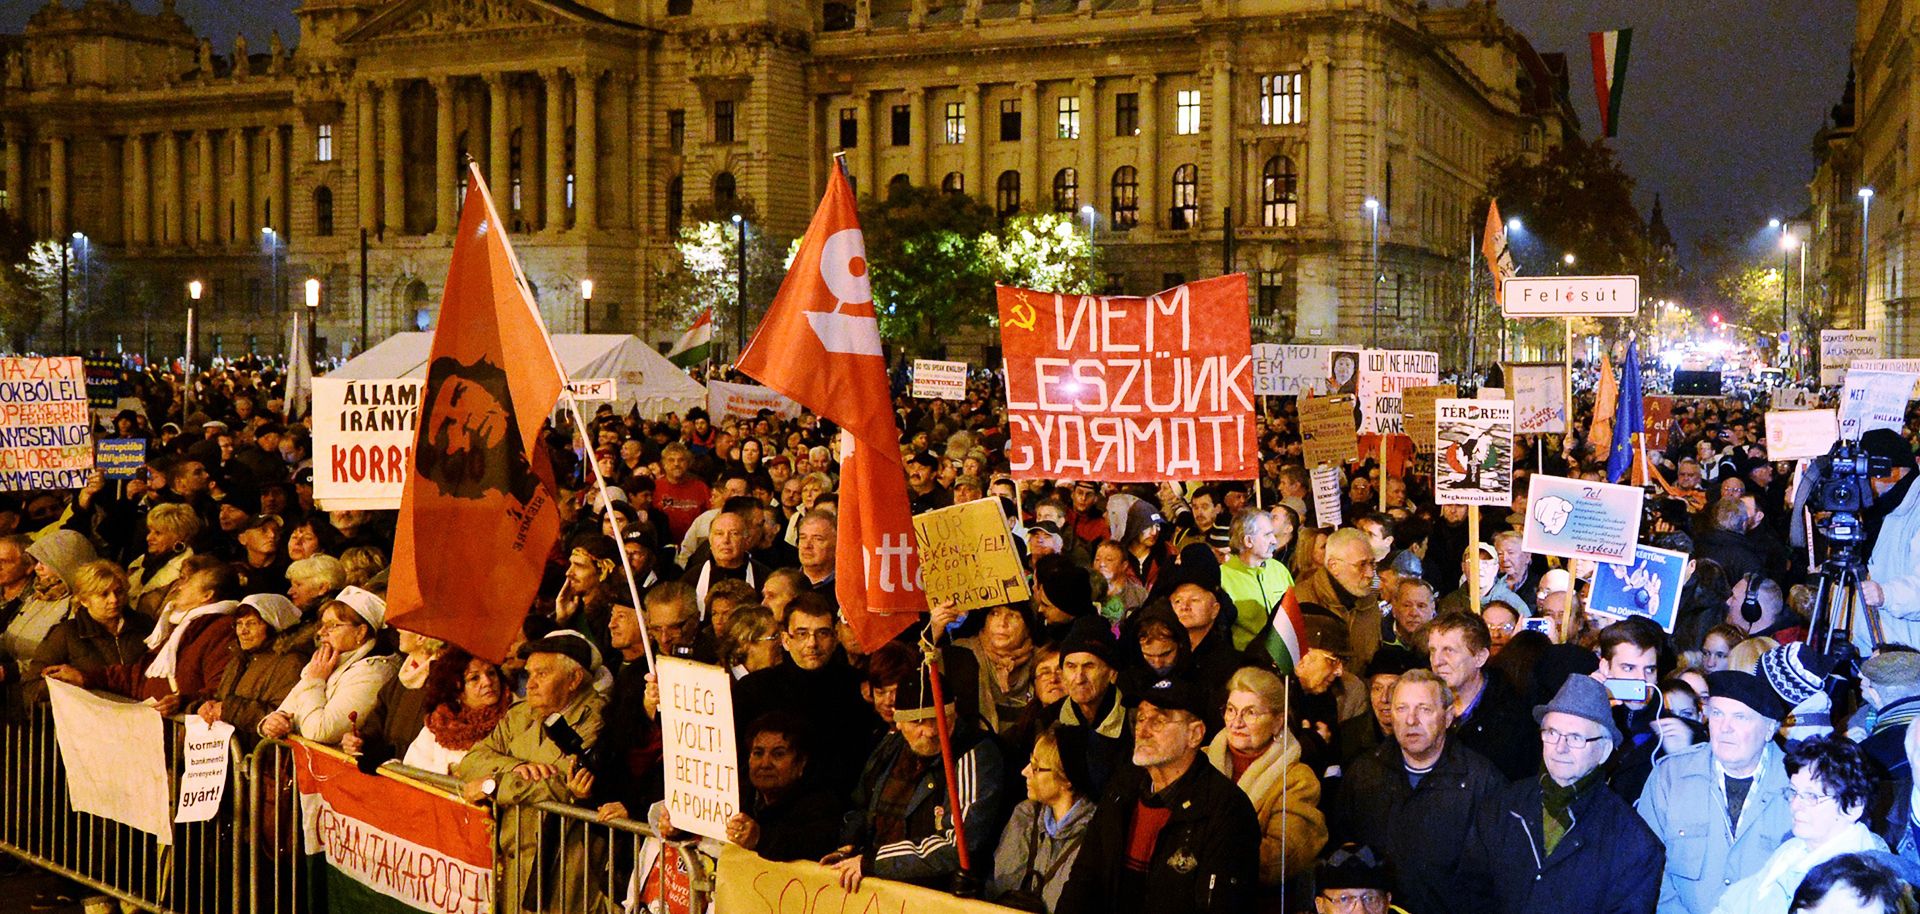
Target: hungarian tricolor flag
[(1609, 74), (1280, 639), (696, 344), (477, 517), (820, 345), (1493, 246)]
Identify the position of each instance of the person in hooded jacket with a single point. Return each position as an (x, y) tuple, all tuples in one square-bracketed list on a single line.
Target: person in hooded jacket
[(106, 632), (57, 556), (257, 677)]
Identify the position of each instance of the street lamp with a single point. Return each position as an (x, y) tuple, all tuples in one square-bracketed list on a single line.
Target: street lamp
[(1787, 243), (586, 306), (272, 239), (1087, 213), (740, 297), (1866, 207), (194, 288), (1373, 331), (1567, 259), (313, 314)]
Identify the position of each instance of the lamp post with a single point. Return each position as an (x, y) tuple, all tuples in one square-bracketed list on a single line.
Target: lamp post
[(1373, 330), (1087, 213), (1787, 243), (272, 240), (740, 296), (1567, 261), (586, 306), (1514, 228), (1866, 207), (194, 288), (313, 315)]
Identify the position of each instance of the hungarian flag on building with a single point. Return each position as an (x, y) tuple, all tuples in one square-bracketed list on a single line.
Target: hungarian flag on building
[(1609, 74), (386, 845), (1493, 246), (820, 345), (1280, 639), (696, 345), (477, 516)]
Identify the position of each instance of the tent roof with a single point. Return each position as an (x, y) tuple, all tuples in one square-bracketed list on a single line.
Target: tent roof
[(644, 376)]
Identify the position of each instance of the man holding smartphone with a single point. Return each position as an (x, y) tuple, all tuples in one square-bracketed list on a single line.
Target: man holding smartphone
[(1630, 669)]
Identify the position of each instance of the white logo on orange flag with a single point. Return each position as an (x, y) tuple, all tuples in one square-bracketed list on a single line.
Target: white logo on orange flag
[(820, 345)]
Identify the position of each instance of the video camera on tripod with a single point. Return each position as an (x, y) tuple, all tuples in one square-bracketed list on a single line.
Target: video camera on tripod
[(1842, 490)]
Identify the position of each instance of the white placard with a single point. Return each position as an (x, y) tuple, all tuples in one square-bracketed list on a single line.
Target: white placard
[(1839, 349), (114, 755), (726, 400), (203, 776), (1571, 296), (1281, 369), (593, 390), (934, 380), (1801, 433), (1326, 496), (1790, 398), (363, 435), (1578, 519), (1539, 398), (697, 745), (1874, 399), (1473, 454), (1383, 374)]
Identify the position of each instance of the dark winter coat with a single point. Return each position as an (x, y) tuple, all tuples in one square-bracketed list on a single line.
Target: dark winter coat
[(1609, 862), (1419, 827), (1206, 859)]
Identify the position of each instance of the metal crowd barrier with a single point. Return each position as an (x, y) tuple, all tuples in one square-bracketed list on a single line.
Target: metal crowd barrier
[(249, 859)]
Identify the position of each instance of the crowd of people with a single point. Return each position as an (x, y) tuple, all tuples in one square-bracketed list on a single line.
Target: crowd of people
[(1135, 738)]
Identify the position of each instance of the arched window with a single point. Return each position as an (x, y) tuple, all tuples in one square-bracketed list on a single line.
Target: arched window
[(836, 17), (723, 191), (1126, 197), (676, 204), (898, 184), (1006, 194), (1066, 190), (1279, 193), (322, 211), (1185, 212), (954, 183)]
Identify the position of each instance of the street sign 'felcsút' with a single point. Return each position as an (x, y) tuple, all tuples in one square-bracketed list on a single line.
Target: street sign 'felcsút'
[(1571, 296)]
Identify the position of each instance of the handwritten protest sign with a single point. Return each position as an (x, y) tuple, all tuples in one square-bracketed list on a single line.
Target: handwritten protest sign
[(363, 435), (120, 458), (1326, 430), (1801, 433), (1282, 370), (203, 776), (966, 555), (1874, 399), (1130, 389), (1648, 586), (593, 390), (750, 884), (113, 753), (726, 400), (935, 380), (1658, 413), (45, 424), (1384, 374), (1326, 495), (1839, 348), (1539, 398), (1416, 408), (702, 768), (1577, 519), (1474, 462)]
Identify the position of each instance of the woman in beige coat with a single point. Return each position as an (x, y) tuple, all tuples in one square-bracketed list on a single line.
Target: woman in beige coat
[(1258, 753)]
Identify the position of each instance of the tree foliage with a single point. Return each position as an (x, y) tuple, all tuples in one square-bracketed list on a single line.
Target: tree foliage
[(1574, 199), (29, 291), (703, 271)]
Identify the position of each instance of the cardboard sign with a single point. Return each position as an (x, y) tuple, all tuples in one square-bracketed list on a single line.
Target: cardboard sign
[(1326, 495), (1577, 519), (113, 752), (1839, 349), (726, 400), (752, 884), (966, 555), (1326, 430), (46, 426), (1539, 398), (120, 458), (203, 775), (1648, 586), (698, 754), (1801, 434), (1127, 389), (1416, 412), (1874, 399), (363, 437), (1384, 373), (593, 390), (1473, 464), (1283, 370), (1571, 296), (934, 380), (1658, 415)]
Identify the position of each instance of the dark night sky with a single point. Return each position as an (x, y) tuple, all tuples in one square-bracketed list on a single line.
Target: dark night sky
[(1722, 98)]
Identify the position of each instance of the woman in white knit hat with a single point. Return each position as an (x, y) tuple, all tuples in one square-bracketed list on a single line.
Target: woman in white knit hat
[(342, 681)]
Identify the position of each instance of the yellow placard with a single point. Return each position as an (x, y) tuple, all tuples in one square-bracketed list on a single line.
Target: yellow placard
[(966, 555)]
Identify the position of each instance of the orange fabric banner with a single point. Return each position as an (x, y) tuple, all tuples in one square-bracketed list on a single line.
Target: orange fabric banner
[(477, 517), (820, 345)]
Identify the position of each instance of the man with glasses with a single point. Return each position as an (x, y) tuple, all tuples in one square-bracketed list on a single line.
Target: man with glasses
[(1172, 833), (1717, 808), (1354, 878), (816, 683), (1346, 589), (1563, 841)]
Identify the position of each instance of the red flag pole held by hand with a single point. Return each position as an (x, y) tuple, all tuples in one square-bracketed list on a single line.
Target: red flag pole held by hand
[(964, 883)]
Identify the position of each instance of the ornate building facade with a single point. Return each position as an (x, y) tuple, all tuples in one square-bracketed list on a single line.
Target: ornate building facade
[(1190, 133)]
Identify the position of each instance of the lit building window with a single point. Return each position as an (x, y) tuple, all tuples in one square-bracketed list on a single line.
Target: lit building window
[(1187, 112)]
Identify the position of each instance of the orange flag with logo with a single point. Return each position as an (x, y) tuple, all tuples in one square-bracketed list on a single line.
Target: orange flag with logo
[(820, 345), (477, 517)]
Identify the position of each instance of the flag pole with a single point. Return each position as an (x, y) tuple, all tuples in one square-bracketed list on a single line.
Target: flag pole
[(964, 885), (573, 408)]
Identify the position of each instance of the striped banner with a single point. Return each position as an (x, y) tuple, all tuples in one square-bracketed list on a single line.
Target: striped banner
[(390, 845), (1609, 74)]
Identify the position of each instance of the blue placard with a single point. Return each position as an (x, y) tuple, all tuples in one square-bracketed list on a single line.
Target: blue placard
[(120, 458), (1649, 586)]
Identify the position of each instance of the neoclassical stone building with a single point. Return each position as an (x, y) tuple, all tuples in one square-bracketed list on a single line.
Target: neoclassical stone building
[(599, 123)]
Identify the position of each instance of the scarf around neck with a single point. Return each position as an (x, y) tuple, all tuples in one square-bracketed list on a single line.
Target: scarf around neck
[(1557, 804), (457, 730)]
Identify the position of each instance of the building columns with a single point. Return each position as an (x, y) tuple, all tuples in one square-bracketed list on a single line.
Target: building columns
[(1089, 91), (586, 150), (974, 154), (868, 139), (207, 227), (446, 179), (1031, 125), (57, 155), (392, 178), (553, 212), (499, 157), (174, 221), (139, 220), (1319, 139), (243, 187), (1221, 142), (279, 205), (917, 136), (16, 172), (365, 161), (1148, 87)]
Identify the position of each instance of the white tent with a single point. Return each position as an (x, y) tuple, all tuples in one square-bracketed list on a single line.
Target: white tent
[(641, 375)]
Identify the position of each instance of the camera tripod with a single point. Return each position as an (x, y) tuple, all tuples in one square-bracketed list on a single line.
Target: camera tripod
[(1835, 597)]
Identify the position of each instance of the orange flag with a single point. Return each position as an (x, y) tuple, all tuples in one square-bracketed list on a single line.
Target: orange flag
[(477, 518), (1606, 402), (820, 345)]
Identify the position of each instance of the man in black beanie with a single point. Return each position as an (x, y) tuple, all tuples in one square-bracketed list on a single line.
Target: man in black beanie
[(1089, 665)]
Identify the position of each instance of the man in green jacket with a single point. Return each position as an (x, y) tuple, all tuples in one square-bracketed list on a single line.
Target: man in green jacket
[(1252, 576)]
